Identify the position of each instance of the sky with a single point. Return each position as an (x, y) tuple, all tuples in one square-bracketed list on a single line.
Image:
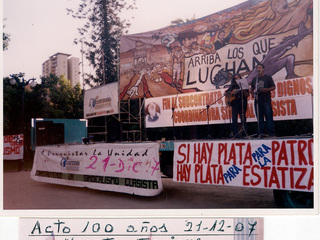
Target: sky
[(40, 28)]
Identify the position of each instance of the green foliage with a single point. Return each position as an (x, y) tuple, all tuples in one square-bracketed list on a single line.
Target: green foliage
[(5, 40), (53, 98), (11, 108), (66, 100), (100, 36)]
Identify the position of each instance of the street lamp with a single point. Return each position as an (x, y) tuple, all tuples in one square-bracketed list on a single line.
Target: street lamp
[(19, 79)]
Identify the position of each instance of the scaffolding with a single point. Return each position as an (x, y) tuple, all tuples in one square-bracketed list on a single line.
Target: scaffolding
[(130, 127), (127, 126), (131, 119)]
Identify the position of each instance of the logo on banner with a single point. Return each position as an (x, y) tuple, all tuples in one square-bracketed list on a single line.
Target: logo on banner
[(70, 165), (14, 140), (96, 103)]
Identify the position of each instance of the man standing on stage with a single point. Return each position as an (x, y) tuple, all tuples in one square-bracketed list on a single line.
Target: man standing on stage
[(261, 88), (238, 105)]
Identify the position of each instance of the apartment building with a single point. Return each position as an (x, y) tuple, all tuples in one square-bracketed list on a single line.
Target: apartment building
[(62, 64), (73, 70)]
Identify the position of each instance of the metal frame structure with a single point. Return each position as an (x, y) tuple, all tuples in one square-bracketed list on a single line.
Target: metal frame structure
[(131, 119)]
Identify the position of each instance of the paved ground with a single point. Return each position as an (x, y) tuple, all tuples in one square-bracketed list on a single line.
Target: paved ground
[(21, 192)]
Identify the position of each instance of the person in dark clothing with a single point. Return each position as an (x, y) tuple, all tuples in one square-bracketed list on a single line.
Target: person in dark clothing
[(222, 40), (238, 102), (261, 88)]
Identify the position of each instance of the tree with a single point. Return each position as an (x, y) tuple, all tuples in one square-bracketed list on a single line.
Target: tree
[(53, 98), (5, 40), (100, 35), (37, 101), (66, 101), (11, 108)]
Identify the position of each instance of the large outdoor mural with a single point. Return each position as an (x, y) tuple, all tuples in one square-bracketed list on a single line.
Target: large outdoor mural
[(203, 55)]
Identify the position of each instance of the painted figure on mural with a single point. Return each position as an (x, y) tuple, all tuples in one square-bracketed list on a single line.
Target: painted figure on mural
[(139, 76), (271, 17), (194, 50), (261, 89), (176, 57), (207, 44), (275, 60), (171, 47), (186, 39), (169, 39), (222, 40)]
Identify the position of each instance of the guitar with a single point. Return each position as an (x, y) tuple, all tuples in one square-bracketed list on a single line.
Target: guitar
[(230, 96)]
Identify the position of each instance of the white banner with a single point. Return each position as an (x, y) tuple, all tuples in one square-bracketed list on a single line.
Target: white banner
[(291, 100), (128, 168), (13, 147), (273, 164), (101, 101)]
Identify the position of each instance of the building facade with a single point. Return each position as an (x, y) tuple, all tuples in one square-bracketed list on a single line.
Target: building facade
[(62, 64), (73, 70)]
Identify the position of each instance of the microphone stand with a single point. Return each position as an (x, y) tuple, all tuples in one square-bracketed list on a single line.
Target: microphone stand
[(207, 109), (242, 129), (256, 99), (209, 105), (172, 116), (144, 125)]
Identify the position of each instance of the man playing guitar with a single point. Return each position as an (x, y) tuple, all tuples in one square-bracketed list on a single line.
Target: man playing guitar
[(237, 99)]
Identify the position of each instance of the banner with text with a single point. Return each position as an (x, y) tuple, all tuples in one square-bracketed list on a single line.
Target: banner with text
[(128, 168), (203, 54), (273, 164), (13, 147), (291, 100), (101, 101)]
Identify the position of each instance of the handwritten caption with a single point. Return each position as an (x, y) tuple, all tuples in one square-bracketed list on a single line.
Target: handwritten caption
[(141, 229)]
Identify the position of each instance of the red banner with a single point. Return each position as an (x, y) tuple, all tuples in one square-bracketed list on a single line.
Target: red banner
[(274, 164), (13, 147)]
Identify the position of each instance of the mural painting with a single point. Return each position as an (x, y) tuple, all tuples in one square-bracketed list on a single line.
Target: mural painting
[(203, 54)]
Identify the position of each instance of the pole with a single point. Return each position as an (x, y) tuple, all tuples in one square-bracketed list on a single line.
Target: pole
[(82, 65), (19, 79), (20, 167), (243, 128)]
